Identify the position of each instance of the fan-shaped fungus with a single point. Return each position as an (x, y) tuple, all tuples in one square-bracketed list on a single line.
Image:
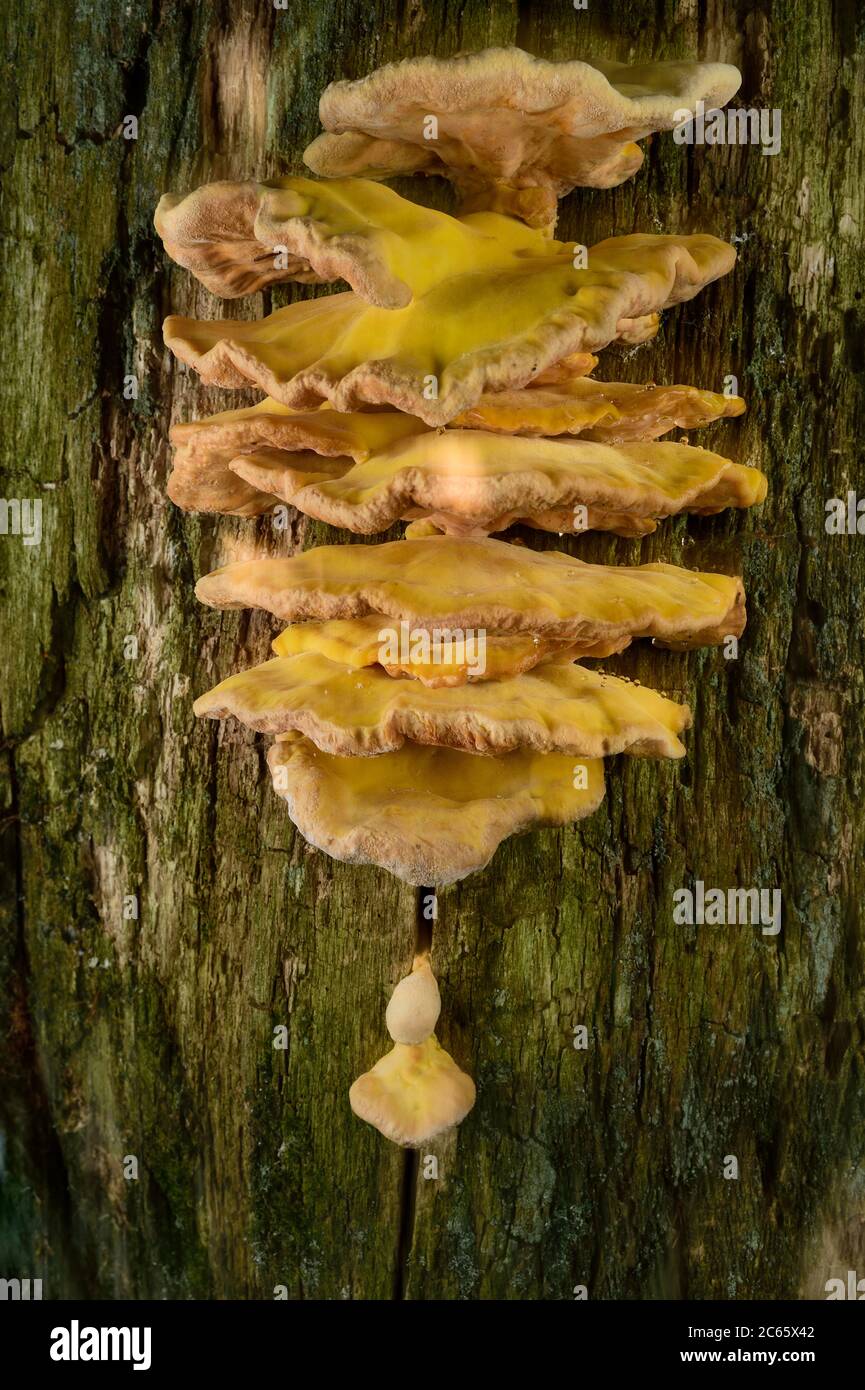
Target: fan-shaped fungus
[(511, 131), (555, 708), (428, 815), (416, 1091), (489, 585), (490, 326)]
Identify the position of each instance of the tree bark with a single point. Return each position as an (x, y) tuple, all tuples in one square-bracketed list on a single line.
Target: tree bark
[(153, 1037)]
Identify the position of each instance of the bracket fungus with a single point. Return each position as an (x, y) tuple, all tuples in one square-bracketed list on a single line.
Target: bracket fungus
[(554, 708), (489, 585), (216, 233), (426, 700), (513, 132), (416, 1091), (240, 237), (215, 457), (427, 815), (471, 483), (475, 331), (246, 461), (452, 659), (611, 412)]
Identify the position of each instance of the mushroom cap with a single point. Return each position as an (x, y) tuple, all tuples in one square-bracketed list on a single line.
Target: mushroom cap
[(241, 237), (426, 815), (472, 482), (246, 461), (250, 483), (552, 709), (513, 132), (269, 424), (357, 642), (611, 412), (214, 487), (413, 1093), (486, 584), (214, 232), (486, 329), (269, 440), (414, 1007)]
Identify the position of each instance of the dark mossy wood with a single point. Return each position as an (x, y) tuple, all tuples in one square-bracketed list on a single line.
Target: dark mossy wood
[(153, 1037)]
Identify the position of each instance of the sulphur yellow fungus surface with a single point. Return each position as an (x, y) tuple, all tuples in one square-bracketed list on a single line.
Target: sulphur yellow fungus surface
[(508, 309), (404, 651), (474, 482), (238, 237), (613, 412), (553, 708), (486, 584), (413, 1093), (428, 815), (245, 461)]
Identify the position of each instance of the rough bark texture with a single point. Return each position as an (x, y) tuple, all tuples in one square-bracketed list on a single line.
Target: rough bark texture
[(154, 1037)]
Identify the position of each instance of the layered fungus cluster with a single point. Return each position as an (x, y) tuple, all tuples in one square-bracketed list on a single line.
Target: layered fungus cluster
[(427, 698)]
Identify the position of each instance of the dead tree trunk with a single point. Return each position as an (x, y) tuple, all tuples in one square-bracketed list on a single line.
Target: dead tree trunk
[(152, 1037)]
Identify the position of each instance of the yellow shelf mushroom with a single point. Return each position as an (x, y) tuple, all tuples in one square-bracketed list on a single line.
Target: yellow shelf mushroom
[(425, 700), (239, 237), (246, 461), (470, 482), (451, 660), (610, 412), (555, 708), (428, 815), (493, 325), (304, 446), (413, 1094), (511, 131), (416, 1091), (488, 585)]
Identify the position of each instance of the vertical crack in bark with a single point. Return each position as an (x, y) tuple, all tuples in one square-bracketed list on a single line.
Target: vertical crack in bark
[(423, 926), (26, 1107), (423, 940), (407, 1200)]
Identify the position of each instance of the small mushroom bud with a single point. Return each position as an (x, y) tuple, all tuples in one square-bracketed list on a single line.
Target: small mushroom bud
[(415, 1005), (416, 1090)]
